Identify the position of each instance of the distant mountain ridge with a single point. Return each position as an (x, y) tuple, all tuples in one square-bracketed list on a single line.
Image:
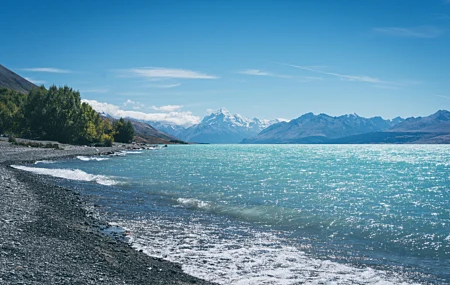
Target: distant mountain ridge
[(12, 81), (310, 128), (437, 122)]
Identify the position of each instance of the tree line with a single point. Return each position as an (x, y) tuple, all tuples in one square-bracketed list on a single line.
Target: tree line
[(58, 114)]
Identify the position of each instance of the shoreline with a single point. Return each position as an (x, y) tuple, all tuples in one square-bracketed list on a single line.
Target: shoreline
[(47, 236)]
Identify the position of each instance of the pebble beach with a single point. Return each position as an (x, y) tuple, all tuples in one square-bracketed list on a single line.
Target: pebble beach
[(49, 235)]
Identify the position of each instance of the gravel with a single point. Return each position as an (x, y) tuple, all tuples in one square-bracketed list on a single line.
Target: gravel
[(47, 235)]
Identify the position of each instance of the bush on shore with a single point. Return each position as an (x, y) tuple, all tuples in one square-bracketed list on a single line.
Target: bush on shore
[(12, 140)]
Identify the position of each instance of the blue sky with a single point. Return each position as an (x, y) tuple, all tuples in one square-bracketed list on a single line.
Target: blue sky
[(177, 60)]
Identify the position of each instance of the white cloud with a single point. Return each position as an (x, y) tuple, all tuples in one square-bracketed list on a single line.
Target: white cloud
[(167, 108), (442, 96), (161, 72), (47, 69), (424, 32), (134, 105), (258, 72), (179, 118), (36, 81), (360, 78)]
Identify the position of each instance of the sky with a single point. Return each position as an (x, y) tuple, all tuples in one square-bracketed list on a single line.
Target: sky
[(176, 61)]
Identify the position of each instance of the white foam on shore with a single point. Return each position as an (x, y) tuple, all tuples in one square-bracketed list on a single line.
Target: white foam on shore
[(94, 158), (117, 153), (211, 253), (45, 161), (72, 174), (131, 152)]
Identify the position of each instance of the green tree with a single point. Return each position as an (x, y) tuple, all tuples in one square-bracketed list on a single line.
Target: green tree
[(95, 128), (57, 114), (11, 116), (123, 131), (54, 114)]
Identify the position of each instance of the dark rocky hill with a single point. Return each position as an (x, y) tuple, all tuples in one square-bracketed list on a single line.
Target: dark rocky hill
[(11, 80)]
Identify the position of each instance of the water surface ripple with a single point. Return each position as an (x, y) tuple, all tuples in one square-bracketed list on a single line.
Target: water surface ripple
[(285, 214)]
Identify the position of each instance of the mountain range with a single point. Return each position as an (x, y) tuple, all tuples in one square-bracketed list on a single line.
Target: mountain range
[(310, 128), (438, 122), (352, 129), (219, 127), (223, 127)]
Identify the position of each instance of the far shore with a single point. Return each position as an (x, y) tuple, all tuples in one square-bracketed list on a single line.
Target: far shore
[(48, 235)]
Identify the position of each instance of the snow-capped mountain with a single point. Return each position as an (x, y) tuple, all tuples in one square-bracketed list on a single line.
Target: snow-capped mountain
[(310, 128), (222, 126)]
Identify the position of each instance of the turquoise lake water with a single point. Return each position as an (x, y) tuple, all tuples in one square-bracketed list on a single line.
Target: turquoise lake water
[(279, 214)]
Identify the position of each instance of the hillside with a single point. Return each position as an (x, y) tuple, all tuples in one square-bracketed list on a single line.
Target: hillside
[(12, 81), (145, 133), (148, 134), (170, 129)]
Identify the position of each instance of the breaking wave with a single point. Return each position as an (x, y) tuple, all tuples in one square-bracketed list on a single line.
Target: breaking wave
[(95, 158), (72, 174), (45, 161), (131, 152)]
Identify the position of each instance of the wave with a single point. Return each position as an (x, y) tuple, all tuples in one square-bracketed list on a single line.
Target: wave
[(192, 203), (131, 152), (238, 255), (72, 174), (45, 161), (95, 158), (269, 214)]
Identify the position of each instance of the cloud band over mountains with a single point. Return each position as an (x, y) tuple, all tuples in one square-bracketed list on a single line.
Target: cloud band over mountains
[(168, 114)]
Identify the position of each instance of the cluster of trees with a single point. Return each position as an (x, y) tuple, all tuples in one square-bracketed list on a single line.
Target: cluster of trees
[(11, 103), (58, 114)]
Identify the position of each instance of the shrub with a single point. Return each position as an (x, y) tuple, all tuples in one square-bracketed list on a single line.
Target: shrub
[(12, 140), (107, 140)]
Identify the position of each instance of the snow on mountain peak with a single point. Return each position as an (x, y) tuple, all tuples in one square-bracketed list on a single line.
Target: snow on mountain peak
[(223, 111), (223, 121)]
